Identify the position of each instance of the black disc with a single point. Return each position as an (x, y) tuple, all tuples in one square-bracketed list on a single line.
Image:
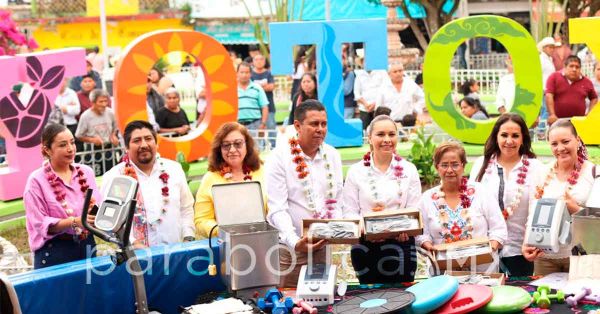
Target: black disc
[(379, 302)]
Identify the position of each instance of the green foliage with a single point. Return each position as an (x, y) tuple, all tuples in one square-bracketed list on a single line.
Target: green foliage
[(183, 162), (421, 155)]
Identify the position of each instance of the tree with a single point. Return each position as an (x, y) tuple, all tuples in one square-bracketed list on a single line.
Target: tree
[(437, 13), (278, 12), (575, 9), (11, 39)]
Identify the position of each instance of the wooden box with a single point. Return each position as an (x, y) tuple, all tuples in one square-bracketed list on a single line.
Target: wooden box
[(394, 234), (483, 257), (498, 278), (354, 240)]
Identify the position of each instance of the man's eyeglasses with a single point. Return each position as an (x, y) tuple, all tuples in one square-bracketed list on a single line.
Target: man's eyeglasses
[(455, 166), (237, 144)]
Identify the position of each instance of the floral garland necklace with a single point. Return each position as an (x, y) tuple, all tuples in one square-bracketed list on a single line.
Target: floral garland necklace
[(164, 178), (521, 179), (398, 172), (227, 173), (302, 170), (456, 224), (60, 194), (572, 180)]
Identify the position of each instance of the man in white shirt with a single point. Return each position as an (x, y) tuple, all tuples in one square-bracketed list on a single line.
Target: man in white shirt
[(165, 211), (366, 89), (402, 95), (546, 47), (303, 181), (68, 102), (505, 95)]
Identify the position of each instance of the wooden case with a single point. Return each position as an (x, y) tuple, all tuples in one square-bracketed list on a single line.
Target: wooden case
[(307, 222), (394, 234), (467, 261)]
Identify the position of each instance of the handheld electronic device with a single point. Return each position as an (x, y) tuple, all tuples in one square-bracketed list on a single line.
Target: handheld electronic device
[(316, 284), (112, 213), (550, 225)]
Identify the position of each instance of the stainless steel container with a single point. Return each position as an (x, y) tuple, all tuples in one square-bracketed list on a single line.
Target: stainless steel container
[(586, 229), (248, 244)]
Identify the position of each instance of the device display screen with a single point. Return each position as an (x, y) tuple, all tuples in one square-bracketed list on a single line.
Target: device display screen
[(119, 189), (544, 217), (318, 272), (109, 211)]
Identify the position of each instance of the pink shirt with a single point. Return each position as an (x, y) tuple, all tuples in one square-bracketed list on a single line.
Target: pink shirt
[(42, 210)]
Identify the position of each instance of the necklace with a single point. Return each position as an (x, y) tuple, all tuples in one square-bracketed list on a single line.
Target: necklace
[(60, 195), (227, 173), (302, 170), (456, 224), (398, 171), (572, 180), (164, 178), (521, 179)]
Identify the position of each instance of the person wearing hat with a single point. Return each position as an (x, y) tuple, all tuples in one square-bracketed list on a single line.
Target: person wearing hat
[(546, 48)]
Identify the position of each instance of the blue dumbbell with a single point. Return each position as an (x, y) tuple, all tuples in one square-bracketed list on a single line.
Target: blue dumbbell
[(272, 301)]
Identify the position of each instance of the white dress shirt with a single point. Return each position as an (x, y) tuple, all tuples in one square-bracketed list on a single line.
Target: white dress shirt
[(366, 85), (547, 68), (286, 199), (408, 100), (357, 197), (516, 222), (486, 219), (505, 95), (556, 189), (69, 98), (178, 221)]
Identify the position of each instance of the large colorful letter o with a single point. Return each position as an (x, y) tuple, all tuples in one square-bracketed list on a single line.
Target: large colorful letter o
[(436, 76), (221, 86)]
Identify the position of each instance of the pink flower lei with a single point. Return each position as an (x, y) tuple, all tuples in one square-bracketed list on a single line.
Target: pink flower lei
[(398, 172), (521, 179), (60, 194)]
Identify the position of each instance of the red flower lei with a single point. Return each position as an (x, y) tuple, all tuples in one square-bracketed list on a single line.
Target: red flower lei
[(453, 232), (521, 177), (164, 178), (60, 194), (228, 175), (572, 178), (301, 169)]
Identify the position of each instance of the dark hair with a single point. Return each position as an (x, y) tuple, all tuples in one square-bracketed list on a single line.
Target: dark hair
[(300, 94), (160, 74), (382, 110), (253, 47), (491, 145), (299, 55), (465, 88), (136, 125), (472, 102), (215, 157), (305, 106), (243, 64), (448, 147), (572, 58), (49, 133), (88, 75), (409, 120)]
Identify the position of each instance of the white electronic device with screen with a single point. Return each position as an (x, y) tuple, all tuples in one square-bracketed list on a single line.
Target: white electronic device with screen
[(549, 226), (112, 213), (316, 284)]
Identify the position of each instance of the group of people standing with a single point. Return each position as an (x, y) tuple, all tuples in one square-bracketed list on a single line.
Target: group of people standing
[(304, 179)]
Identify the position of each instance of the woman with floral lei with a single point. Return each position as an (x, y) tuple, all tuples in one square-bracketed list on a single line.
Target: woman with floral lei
[(569, 177), (382, 181), (53, 201), (233, 158), (456, 211), (507, 169)]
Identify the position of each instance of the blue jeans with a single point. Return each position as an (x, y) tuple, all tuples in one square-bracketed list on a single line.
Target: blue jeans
[(348, 112), (272, 125), (544, 111), (255, 125)]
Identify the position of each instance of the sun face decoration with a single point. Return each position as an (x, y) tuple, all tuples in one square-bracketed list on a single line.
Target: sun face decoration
[(221, 86)]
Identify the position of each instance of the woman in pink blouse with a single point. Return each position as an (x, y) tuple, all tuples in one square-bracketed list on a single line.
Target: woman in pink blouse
[(53, 200)]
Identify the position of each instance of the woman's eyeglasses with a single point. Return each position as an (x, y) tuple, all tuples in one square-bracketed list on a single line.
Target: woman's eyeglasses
[(455, 166), (237, 144)]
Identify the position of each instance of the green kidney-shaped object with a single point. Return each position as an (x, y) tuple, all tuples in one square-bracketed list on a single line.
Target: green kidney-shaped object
[(525, 58)]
